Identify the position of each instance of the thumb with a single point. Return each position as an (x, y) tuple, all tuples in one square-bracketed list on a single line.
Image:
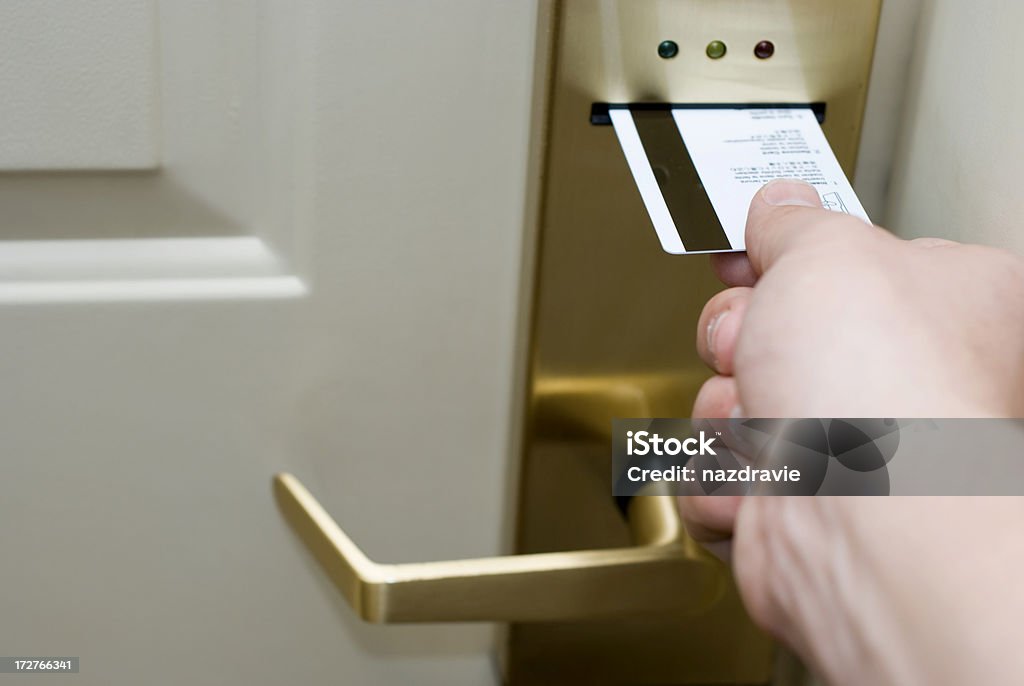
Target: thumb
[(782, 214)]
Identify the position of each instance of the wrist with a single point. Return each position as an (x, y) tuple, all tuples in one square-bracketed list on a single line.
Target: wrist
[(813, 573), (888, 590)]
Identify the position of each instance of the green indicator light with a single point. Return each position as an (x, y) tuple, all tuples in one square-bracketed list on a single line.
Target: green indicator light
[(716, 50), (668, 49)]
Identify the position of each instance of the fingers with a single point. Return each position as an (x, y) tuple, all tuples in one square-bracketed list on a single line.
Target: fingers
[(752, 560), (719, 328), (710, 518), (786, 213), (716, 399), (734, 269)]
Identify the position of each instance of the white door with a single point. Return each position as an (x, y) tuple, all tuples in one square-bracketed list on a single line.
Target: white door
[(240, 237)]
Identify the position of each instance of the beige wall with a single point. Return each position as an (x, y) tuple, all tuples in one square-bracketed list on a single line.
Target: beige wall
[(961, 143), (886, 101)]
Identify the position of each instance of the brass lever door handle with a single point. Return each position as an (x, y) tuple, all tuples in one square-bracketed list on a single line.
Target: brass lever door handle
[(664, 572)]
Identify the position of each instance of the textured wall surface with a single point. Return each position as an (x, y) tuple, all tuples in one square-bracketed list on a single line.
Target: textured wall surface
[(886, 100), (958, 164)]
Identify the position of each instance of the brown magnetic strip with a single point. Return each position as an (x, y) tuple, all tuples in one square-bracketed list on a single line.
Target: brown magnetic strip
[(685, 197)]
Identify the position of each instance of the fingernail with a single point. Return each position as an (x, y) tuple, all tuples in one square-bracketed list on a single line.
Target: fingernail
[(712, 329), (790, 192), (738, 413)]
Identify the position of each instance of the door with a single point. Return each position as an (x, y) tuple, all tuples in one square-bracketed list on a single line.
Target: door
[(241, 238)]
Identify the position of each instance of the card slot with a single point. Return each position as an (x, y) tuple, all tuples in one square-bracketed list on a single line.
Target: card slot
[(600, 112)]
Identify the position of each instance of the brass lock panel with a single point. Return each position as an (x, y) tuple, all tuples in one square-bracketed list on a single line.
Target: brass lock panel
[(613, 317)]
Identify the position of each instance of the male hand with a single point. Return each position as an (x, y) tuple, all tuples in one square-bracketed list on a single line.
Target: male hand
[(827, 316)]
